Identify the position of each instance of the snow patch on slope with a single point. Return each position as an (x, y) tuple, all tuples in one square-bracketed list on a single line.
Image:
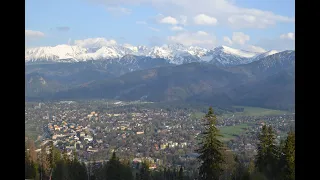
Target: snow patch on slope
[(237, 52), (56, 53)]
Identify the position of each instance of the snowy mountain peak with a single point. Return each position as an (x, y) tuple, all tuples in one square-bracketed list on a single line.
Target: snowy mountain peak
[(236, 52), (265, 54), (174, 53), (176, 46), (56, 53), (272, 52)]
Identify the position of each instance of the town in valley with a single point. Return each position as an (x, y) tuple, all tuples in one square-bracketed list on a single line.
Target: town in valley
[(141, 131)]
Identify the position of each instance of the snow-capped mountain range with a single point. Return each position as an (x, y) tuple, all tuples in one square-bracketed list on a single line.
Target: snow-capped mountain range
[(174, 53)]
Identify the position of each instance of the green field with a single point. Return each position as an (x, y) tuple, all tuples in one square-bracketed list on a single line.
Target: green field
[(248, 111), (230, 132), (256, 111)]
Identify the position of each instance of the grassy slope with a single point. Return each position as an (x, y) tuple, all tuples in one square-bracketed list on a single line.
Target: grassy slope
[(256, 111), (230, 132)]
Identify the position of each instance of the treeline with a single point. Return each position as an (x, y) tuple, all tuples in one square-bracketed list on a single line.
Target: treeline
[(273, 161), (50, 163), (58, 166), (123, 170)]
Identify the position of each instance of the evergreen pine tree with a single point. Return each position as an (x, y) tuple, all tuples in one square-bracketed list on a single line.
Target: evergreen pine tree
[(65, 156), (273, 154), (262, 149), (144, 172), (174, 174), (137, 176), (180, 177), (251, 167), (26, 163), (56, 156), (50, 159), (268, 152), (82, 171), (60, 171), (126, 172), (165, 174), (113, 168), (229, 165), (210, 150), (30, 168), (258, 176), (288, 157), (90, 170), (168, 174)]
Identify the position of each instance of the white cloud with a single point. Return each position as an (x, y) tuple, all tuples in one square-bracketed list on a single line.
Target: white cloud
[(255, 18), (141, 22), (277, 44), (240, 38), (226, 11), (290, 36), (118, 10), (94, 42), (202, 19), (177, 28), (129, 46), (169, 20), (281, 43), (199, 38), (173, 20), (154, 29), (245, 21), (227, 40), (30, 34), (202, 33), (254, 49)]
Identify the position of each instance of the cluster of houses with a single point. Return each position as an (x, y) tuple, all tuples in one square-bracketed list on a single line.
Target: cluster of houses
[(145, 133)]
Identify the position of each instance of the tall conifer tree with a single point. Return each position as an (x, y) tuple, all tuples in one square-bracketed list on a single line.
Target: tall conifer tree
[(288, 157), (262, 149), (144, 172), (113, 168), (210, 150), (180, 176), (268, 154)]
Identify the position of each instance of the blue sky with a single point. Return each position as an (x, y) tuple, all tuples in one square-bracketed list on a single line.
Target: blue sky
[(246, 24)]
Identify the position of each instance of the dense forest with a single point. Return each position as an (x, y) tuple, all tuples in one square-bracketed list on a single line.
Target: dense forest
[(273, 161)]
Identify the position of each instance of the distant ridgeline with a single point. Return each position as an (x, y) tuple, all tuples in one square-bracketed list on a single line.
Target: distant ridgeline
[(267, 81)]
